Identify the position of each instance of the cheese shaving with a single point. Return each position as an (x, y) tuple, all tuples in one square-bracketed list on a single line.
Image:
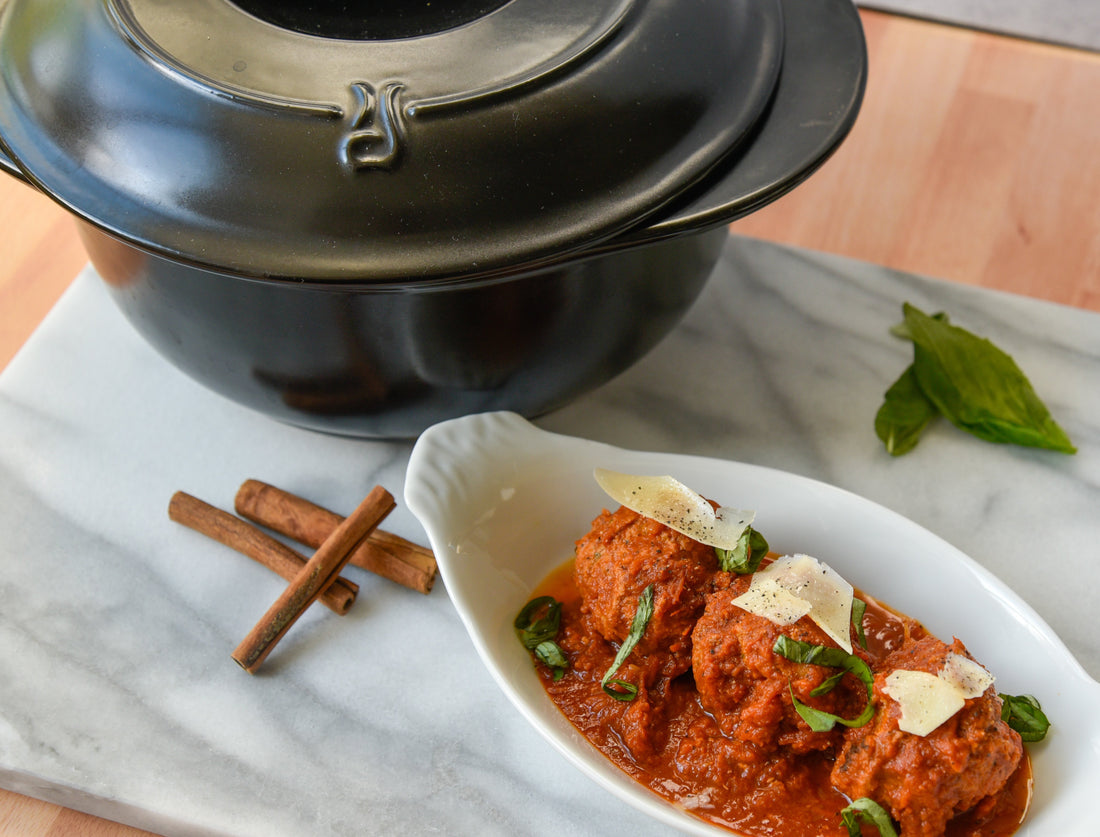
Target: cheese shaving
[(672, 503), (969, 677), (774, 602), (804, 585), (927, 700)]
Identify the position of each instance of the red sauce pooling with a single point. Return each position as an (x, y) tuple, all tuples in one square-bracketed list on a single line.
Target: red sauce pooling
[(668, 742)]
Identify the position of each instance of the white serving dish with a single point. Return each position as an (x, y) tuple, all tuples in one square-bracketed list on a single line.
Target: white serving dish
[(503, 502)]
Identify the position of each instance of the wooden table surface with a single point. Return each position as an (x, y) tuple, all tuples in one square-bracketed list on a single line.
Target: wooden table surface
[(976, 158)]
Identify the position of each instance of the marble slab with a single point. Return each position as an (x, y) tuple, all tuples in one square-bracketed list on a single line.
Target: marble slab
[(117, 692), (1072, 23)]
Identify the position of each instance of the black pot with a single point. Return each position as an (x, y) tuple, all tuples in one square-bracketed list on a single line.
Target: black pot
[(379, 312)]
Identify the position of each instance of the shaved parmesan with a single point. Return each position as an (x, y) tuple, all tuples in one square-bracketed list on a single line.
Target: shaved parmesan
[(672, 503), (966, 675), (802, 585), (927, 700), (773, 601)]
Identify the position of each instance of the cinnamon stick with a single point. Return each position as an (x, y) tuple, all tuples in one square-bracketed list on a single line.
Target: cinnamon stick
[(382, 553), (317, 573), (246, 539)]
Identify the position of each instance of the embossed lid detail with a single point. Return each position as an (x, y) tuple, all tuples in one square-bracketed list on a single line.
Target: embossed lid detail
[(206, 134)]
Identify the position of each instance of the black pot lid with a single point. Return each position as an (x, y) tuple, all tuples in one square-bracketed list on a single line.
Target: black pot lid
[(413, 143), (815, 105)]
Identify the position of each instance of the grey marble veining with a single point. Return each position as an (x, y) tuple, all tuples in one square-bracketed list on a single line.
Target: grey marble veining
[(117, 693), (1074, 23)]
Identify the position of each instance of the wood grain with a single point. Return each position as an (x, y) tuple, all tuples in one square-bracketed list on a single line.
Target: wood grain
[(974, 159), (40, 255), (22, 816)]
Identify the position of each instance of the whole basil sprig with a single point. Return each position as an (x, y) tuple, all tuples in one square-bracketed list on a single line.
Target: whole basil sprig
[(904, 414), (969, 381)]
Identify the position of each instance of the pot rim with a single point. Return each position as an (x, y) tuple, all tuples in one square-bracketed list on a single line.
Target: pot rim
[(227, 160)]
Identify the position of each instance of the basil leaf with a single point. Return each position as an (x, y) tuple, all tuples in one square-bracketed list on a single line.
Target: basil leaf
[(1024, 715), (821, 721), (859, 609), (978, 387), (821, 655), (901, 330), (619, 689), (537, 625), (623, 690), (746, 556), (904, 414), (828, 685), (867, 810), (531, 630), (550, 655)]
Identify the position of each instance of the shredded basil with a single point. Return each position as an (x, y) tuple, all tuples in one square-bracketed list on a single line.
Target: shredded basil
[(1023, 714), (620, 689), (821, 655), (819, 720), (549, 654), (828, 685), (859, 609), (974, 384), (537, 625), (746, 556), (533, 628), (867, 810)]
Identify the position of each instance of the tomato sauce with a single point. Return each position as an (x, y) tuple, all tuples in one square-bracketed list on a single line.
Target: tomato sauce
[(667, 741)]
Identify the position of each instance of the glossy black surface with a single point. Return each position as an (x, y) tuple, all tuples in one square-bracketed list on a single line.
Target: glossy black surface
[(386, 359), (374, 20), (817, 100), (368, 362), (201, 133)]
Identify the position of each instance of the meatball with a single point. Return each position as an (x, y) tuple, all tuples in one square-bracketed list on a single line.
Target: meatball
[(624, 553), (925, 781), (747, 687)]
